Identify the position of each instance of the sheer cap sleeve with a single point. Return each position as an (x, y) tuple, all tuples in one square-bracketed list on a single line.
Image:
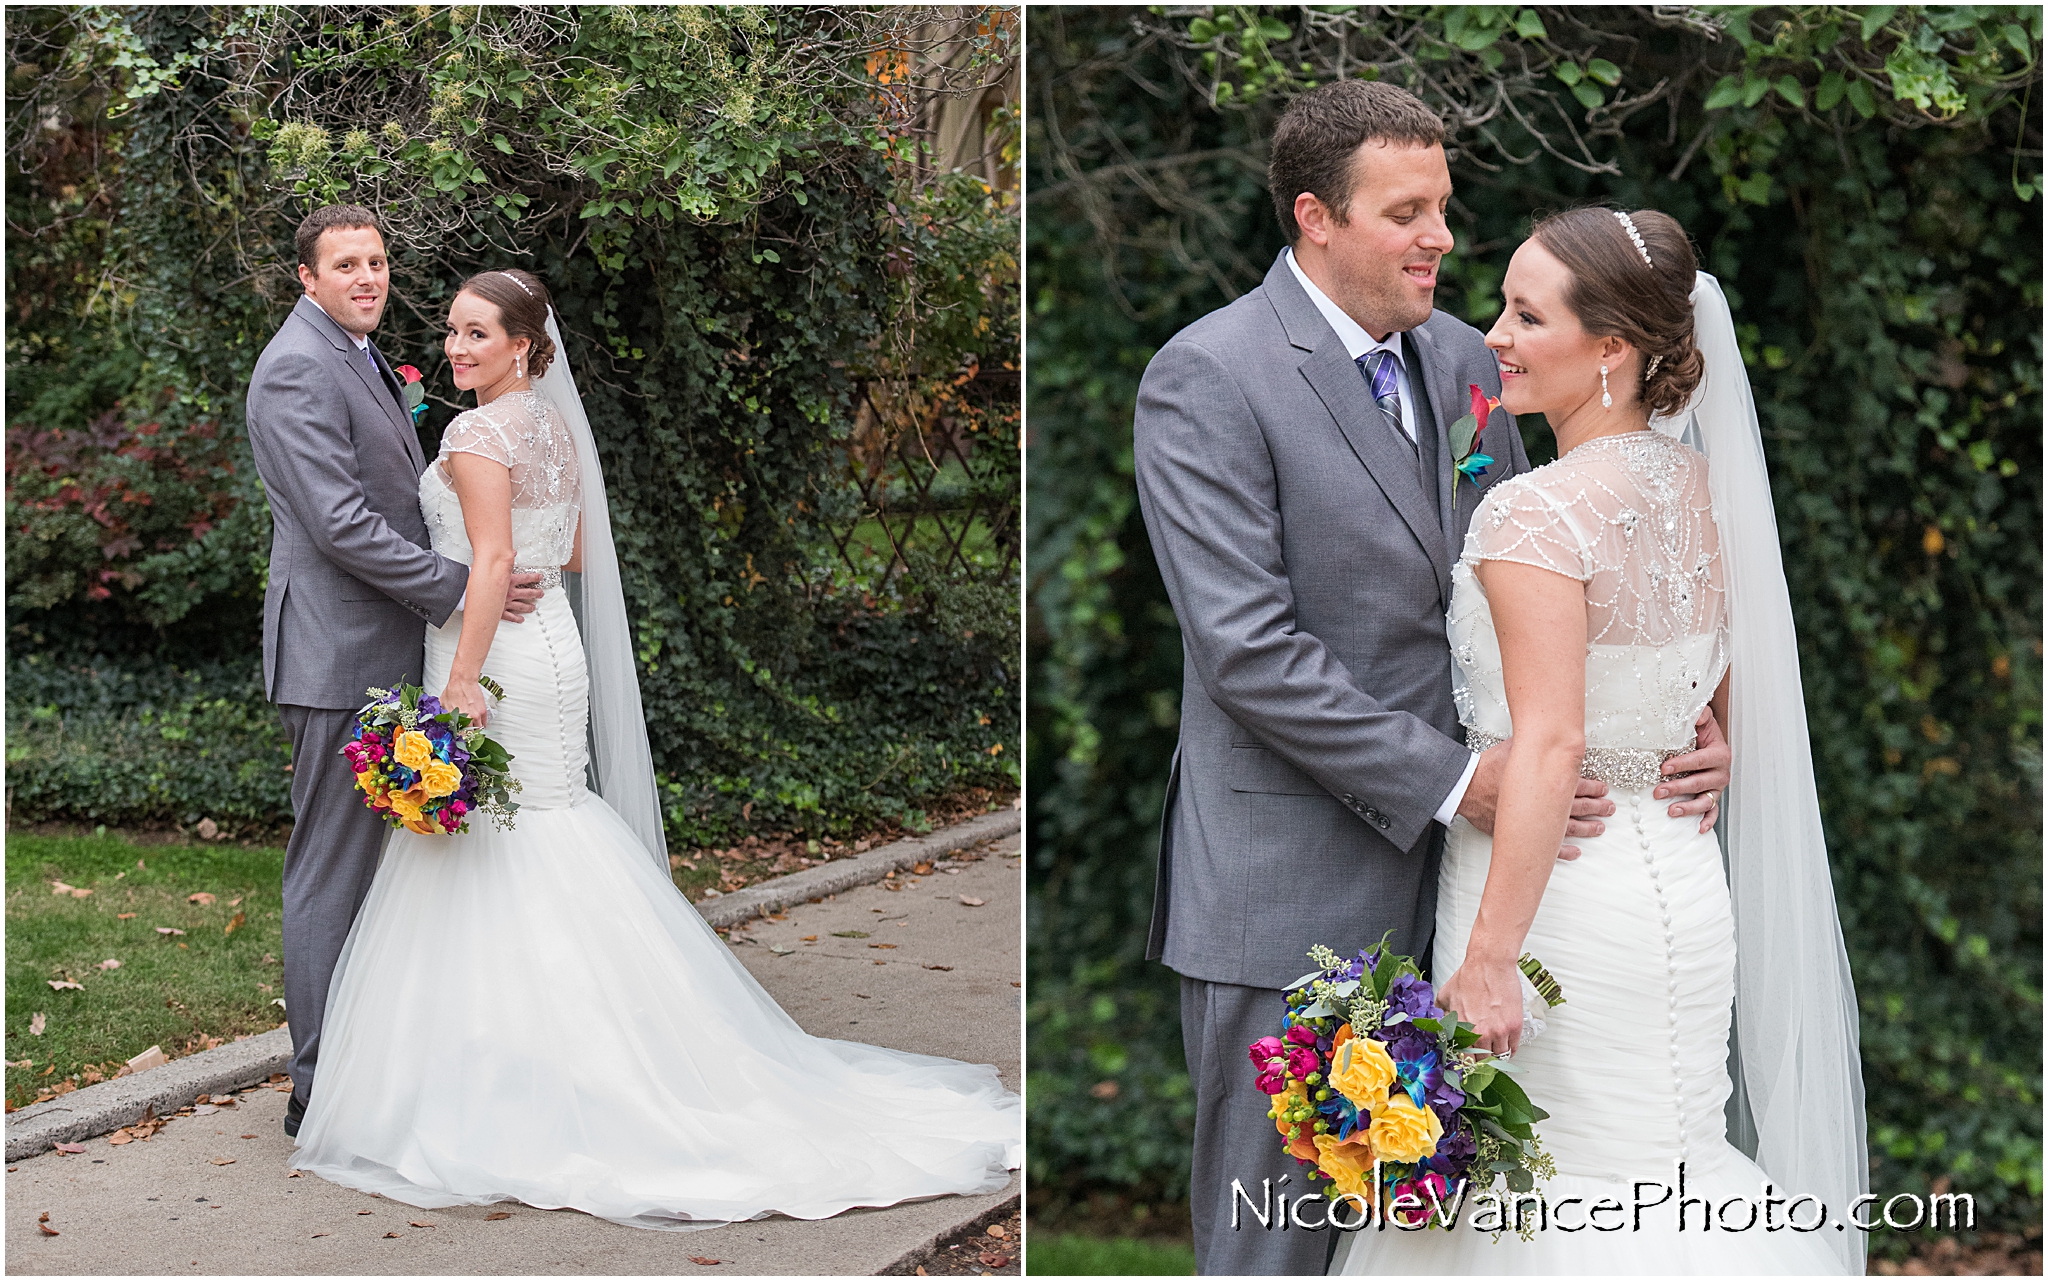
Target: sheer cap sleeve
[(1523, 522), (485, 435)]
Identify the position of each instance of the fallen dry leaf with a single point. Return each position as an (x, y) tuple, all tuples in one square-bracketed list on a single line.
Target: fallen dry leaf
[(124, 916), (362, 1211), (938, 967), (62, 985), (864, 996), (922, 869), (921, 1272), (296, 1174), (973, 902), (703, 1262), (809, 938), (318, 1235), (389, 1235), (47, 1230), (154, 1056), (71, 1148), (997, 1231), (234, 902), (119, 1137), (496, 1214), (165, 929), (994, 1260), (248, 1136), (884, 946), (415, 1222), (202, 898), (223, 1160), (109, 964), (44, 1217), (37, 1024), (235, 924)]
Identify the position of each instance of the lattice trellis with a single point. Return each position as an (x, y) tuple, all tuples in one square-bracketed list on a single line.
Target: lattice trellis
[(937, 469)]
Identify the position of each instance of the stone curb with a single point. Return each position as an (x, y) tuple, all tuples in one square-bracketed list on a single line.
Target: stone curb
[(924, 1252), (99, 1109), (840, 875)]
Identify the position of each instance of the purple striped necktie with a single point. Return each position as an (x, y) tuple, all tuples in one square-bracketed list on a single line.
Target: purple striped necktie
[(1380, 368)]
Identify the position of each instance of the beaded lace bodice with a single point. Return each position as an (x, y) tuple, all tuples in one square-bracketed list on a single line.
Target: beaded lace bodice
[(522, 431), (1631, 517)]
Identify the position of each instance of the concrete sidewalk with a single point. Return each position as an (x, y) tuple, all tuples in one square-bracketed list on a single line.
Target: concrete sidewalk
[(210, 1193)]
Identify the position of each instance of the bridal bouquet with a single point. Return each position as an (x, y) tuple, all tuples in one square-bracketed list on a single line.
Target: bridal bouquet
[(1382, 1093), (426, 768)]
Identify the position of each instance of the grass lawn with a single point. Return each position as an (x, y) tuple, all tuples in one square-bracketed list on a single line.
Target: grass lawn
[(173, 990), (1071, 1254)]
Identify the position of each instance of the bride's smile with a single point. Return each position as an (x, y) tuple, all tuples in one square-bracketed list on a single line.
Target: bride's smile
[(482, 357), (1550, 365)]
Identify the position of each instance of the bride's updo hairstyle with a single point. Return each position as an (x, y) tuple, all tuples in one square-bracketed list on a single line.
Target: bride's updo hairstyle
[(522, 303), (1613, 291)]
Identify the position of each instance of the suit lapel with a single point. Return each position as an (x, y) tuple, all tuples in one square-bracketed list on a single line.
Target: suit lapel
[(1342, 389), (349, 354), (394, 395), (1449, 401)]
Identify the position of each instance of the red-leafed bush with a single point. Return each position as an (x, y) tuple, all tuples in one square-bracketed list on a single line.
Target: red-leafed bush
[(115, 512)]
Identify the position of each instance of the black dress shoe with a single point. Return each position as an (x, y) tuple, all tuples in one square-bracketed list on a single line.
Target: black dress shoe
[(294, 1112)]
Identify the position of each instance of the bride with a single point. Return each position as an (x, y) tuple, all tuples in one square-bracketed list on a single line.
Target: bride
[(1600, 603), (538, 1014)]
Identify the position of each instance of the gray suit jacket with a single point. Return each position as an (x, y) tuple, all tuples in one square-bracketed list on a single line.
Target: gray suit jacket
[(1310, 571), (353, 578)]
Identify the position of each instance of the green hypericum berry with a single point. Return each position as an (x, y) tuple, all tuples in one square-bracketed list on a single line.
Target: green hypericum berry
[(1322, 1096), (1315, 1078), (1322, 1127)]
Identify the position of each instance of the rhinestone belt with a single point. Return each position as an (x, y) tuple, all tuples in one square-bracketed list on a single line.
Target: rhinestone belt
[(550, 578), (1628, 768)]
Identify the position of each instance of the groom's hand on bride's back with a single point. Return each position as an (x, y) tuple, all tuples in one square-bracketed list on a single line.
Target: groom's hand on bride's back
[(1589, 803), (1704, 772), (522, 597)]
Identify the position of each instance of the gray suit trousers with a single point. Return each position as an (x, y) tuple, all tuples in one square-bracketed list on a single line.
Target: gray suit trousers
[(1236, 1140), (328, 866)]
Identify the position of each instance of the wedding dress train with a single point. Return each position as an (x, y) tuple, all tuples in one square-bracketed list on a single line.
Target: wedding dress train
[(1638, 931), (539, 1015)]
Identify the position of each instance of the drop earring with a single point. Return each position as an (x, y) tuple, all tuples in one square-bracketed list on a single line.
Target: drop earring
[(1606, 400), (519, 369)]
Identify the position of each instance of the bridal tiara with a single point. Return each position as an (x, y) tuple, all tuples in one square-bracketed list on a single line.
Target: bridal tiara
[(1628, 225), (530, 294)]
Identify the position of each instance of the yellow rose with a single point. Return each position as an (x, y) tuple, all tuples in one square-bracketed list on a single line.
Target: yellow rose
[(1401, 1131), (1362, 1071), (406, 804), (1349, 1163), (440, 778), (413, 750)]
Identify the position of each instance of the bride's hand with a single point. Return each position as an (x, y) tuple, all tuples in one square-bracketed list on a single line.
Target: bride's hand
[(466, 697), (1488, 995)]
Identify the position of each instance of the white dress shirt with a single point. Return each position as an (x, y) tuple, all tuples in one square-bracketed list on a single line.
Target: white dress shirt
[(1357, 343)]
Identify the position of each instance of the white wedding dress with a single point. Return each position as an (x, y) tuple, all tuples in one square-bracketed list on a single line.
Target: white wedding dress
[(1633, 1068), (539, 1014)]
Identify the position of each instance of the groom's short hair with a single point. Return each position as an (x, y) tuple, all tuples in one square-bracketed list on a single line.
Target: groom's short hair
[(330, 218), (1318, 137)]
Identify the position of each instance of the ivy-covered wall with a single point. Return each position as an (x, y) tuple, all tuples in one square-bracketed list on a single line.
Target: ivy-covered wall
[(792, 319), (1864, 182)]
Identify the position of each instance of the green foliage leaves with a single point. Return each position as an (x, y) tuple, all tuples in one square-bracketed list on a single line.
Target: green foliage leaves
[(1885, 263)]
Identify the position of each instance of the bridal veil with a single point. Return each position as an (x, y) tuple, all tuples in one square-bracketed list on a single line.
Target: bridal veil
[(619, 755), (1798, 1074)]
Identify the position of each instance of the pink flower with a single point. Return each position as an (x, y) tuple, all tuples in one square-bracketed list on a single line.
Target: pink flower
[(408, 373), (1269, 1056), (1301, 1051)]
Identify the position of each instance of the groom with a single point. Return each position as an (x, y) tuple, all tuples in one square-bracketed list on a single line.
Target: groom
[(1291, 465), (353, 585)]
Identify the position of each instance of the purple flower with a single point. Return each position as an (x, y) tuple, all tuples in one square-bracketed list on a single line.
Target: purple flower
[(1413, 997), (430, 706)]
